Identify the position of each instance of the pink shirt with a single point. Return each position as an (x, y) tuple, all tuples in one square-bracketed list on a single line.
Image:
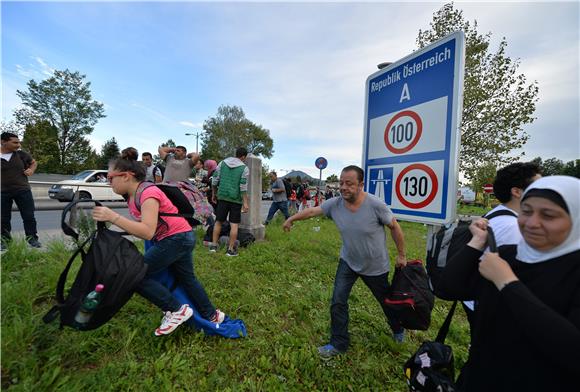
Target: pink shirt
[(175, 224)]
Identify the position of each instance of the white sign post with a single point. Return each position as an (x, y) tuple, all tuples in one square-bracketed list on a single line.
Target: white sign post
[(411, 139)]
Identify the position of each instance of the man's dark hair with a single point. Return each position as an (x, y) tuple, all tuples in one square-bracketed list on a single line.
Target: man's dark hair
[(241, 152), (7, 136), (147, 154), (360, 174), (274, 173), (181, 147), (518, 175)]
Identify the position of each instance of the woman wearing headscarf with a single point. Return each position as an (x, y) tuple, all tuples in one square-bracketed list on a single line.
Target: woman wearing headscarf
[(527, 322), (209, 165)]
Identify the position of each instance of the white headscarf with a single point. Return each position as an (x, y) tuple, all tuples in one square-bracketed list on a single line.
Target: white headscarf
[(569, 189)]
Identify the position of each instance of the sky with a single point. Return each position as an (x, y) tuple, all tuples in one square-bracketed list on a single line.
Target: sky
[(296, 68)]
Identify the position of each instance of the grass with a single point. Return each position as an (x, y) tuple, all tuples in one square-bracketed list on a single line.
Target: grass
[(281, 288)]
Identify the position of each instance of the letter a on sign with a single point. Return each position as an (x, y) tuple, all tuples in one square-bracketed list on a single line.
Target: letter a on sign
[(405, 95)]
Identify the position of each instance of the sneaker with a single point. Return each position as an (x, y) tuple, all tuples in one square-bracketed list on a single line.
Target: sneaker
[(218, 317), (172, 320), (213, 247), (328, 351), (399, 337), (232, 252), (34, 243)]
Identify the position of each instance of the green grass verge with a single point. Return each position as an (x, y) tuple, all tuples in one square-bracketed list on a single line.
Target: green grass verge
[(281, 288)]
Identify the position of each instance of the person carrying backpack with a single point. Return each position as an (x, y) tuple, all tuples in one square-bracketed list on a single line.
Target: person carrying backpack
[(173, 243)]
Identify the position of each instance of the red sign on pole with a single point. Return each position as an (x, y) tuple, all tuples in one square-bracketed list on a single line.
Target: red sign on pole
[(488, 188)]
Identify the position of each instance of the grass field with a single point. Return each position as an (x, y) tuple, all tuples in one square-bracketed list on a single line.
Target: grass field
[(281, 288)]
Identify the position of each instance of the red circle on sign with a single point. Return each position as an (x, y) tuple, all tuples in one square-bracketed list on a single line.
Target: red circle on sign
[(488, 188), (414, 142), (432, 176)]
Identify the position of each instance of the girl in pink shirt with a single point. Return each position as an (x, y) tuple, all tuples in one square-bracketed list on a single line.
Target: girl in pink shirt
[(173, 243)]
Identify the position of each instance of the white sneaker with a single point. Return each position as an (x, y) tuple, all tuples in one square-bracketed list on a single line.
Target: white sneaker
[(172, 320), (218, 317)]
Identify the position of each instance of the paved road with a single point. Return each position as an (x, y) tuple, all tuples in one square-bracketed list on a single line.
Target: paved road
[(48, 218)]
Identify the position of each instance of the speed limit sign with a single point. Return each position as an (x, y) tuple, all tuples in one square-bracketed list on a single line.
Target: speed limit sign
[(411, 139)]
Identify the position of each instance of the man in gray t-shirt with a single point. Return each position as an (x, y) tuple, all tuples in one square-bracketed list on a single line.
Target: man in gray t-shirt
[(361, 219), (279, 199), (178, 165)]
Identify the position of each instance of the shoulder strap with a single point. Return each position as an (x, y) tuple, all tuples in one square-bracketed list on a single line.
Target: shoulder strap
[(140, 188), (500, 213), (66, 228), (442, 334)]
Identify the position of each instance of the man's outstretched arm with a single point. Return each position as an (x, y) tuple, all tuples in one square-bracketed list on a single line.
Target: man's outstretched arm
[(304, 214), (399, 239)]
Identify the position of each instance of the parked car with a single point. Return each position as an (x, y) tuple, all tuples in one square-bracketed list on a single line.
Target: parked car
[(267, 195), (91, 184)]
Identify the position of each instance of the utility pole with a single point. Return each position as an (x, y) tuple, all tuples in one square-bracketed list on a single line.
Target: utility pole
[(196, 134)]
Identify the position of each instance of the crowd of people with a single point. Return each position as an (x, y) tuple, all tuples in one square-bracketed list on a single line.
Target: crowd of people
[(522, 302)]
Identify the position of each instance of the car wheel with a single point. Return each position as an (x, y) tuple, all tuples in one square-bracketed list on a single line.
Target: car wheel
[(84, 195)]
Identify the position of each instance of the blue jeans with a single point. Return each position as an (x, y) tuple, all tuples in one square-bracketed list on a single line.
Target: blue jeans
[(275, 206), (25, 203), (343, 282), (176, 254)]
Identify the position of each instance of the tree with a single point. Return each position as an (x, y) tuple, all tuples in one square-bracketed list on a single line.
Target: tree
[(497, 101), (332, 178), (555, 166), (64, 100), (109, 151), (40, 141), (230, 129), (265, 177)]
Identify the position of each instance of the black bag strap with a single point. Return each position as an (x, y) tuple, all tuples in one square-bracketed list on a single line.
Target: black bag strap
[(53, 312), (442, 334), (500, 213), (66, 228)]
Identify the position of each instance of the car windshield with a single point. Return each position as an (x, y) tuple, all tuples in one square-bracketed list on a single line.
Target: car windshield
[(82, 175)]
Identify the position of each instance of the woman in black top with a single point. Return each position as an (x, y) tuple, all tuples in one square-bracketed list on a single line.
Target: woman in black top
[(527, 326)]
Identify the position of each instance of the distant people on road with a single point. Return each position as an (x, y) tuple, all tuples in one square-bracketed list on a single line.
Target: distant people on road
[(153, 172), (173, 244), (230, 187), (279, 199), (178, 164), (328, 194), (527, 325), (16, 167), (361, 219)]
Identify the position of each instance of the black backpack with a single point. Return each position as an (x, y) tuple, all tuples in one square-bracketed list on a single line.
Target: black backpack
[(299, 191), (445, 243), (432, 367), (411, 296), (246, 238), (111, 260)]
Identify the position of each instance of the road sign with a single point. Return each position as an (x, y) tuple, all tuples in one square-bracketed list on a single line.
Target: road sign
[(411, 139), (321, 163), (488, 188)]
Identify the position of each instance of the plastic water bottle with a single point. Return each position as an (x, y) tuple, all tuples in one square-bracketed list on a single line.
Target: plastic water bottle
[(88, 306)]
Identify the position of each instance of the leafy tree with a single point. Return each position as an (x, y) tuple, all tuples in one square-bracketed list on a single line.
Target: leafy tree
[(64, 100), (109, 151), (40, 140), (572, 168), (497, 101), (332, 178), (230, 129), (12, 127), (555, 166), (265, 177)]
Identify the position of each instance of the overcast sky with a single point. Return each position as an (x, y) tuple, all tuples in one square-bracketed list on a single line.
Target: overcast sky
[(298, 69)]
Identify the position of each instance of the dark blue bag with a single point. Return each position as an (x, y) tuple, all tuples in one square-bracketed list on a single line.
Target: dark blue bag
[(229, 328)]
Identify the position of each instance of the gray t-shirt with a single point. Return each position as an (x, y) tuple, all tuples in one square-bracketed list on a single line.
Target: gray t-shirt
[(278, 196), (177, 169), (364, 240)]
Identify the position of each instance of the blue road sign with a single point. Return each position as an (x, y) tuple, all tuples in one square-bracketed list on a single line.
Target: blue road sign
[(321, 163), (411, 138)]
